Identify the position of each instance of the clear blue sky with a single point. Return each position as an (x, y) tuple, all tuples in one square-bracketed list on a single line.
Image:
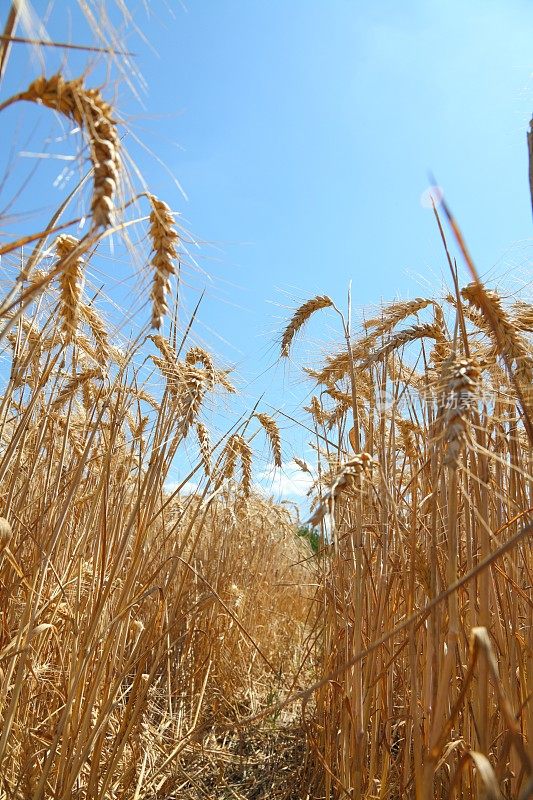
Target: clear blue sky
[(302, 132)]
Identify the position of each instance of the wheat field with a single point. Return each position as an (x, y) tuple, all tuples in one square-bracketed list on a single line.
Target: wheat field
[(161, 642)]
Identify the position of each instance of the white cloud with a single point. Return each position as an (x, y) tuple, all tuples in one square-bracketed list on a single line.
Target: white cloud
[(286, 481), (188, 488)]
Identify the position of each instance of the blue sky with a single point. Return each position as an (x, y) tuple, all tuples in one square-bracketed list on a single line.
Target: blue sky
[(302, 132)]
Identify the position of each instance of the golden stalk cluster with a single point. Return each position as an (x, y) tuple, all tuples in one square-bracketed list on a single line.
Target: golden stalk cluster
[(134, 616), (425, 560), (131, 617)]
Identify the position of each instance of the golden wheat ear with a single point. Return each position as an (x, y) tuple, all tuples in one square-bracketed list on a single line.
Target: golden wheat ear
[(205, 446), (402, 338), (302, 464), (164, 242), (99, 332), (246, 467), (94, 116), (461, 381), (394, 314), (71, 283), (197, 355), (238, 447), (299, 318), (272, 431)]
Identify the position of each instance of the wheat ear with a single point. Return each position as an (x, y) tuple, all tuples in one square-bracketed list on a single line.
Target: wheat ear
[(73, 385), (138, 425), (246, 466), (523, 316), (205, 446), (237, 446), (461, 380), (394, 314), (507, 340), (99, 332), (358, 464), (316, 411), (221, 377), (168, 365), (300, 317), (196, 355), (165, 348), (404, 337), (272, 431), (90, 111), (71, 283), (192, 390), (407, 430), (339, 364), (164, 242), (229, 455)]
